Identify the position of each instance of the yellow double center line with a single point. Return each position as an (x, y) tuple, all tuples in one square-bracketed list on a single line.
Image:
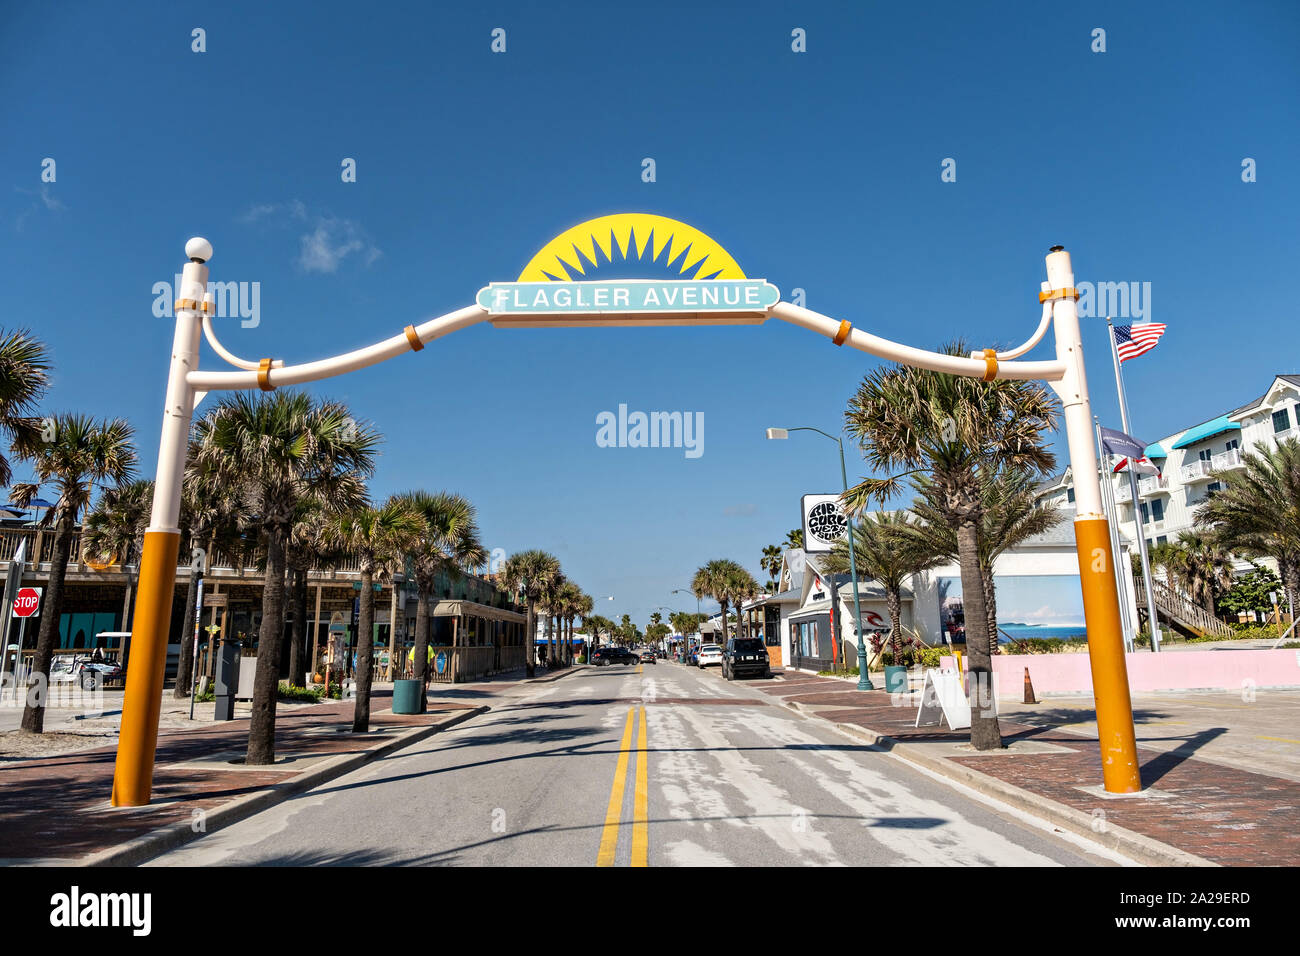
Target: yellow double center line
[(640, 796)]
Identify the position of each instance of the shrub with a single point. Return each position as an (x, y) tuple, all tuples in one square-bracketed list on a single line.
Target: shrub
[(311, 695)]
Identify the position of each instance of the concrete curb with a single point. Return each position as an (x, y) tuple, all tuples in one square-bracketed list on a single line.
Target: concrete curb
[(149, 845), (1136, 846)]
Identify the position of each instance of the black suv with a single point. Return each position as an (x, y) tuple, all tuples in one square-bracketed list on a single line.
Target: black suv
[(603, 656), (745, 656)]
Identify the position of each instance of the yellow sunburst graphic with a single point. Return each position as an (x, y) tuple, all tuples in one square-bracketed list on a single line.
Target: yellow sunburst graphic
[(631, 245)]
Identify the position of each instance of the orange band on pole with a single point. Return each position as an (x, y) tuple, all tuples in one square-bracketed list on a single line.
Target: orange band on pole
[(413, 338), (990, 364), (264, 375), (1069, 293), (1119, 763), (845, 328), (138, 739)]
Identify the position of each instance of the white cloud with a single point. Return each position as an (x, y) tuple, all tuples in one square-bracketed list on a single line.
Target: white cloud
[(329, 240)]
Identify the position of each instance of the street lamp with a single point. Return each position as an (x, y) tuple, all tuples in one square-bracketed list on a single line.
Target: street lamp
[(685, 642), (864, 679)]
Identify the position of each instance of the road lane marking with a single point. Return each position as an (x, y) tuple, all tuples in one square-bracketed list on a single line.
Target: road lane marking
[(641, 799), (609, 836)]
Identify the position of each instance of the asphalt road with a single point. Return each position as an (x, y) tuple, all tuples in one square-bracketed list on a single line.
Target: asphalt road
[(657, 765)]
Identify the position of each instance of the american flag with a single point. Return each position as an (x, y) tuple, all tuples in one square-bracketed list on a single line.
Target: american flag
[(1134, 340)]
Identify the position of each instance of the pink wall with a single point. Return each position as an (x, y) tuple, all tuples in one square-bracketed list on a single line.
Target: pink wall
[(1171, 670)]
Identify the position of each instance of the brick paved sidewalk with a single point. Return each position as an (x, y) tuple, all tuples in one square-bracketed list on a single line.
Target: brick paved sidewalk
[(56, 809), (1222, 814)]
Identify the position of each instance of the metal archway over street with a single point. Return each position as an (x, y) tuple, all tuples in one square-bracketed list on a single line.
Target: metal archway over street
[(624, 269)]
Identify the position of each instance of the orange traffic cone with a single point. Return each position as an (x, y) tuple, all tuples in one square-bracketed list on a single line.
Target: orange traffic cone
[(1029, 689)]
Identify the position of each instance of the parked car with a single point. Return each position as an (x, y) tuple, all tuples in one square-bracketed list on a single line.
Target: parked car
[(604, 656), (745, 657), (709, 655), (89, 673), (647, 657)]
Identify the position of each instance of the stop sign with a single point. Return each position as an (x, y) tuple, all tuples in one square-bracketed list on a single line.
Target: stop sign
[(27, 602)]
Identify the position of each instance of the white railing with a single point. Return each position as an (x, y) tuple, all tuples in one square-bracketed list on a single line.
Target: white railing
[(1228, 459), (1123, 491), (1151, 484), (1199, 468)]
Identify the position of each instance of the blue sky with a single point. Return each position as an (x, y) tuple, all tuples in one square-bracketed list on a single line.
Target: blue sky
[(818, 170)]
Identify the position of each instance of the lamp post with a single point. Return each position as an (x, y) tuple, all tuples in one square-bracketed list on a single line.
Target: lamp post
[(685, 642), (864, 679)]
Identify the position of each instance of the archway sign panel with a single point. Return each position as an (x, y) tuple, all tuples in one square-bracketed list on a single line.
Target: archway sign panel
[(621, 269)]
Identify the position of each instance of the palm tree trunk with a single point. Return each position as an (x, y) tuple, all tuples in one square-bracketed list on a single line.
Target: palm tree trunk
[(420, 653), (529, 640), (984, 731), (990, 608), (298, 636), (365, 652), (724, 605), (266, 680), (894, 603), (184, 666), (38, 683)]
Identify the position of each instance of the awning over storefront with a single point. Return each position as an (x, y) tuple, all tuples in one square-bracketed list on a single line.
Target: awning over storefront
[(470, 609), (1208, 430)]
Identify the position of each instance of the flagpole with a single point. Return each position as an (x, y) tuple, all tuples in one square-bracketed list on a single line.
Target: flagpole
[(1137, 503), (1112, 516)]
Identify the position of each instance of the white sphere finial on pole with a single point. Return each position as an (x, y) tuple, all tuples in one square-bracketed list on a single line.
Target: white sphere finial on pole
[(198, 249)]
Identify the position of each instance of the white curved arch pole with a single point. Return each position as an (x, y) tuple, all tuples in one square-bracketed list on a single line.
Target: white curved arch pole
[(338, 365), (920, 358), (133, 774)]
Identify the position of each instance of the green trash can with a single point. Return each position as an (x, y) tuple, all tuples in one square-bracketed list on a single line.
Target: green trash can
[(406, 696), (895, 680)]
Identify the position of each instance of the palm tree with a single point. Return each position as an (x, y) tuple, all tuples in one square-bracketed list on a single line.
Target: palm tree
[(528, 573), (376, 537), (278, 448), (771, 562), (742, 588), (596, 625), (585, 605), (114, 529), (570, 603), (548, 601), (24, 377), (83, 452), (887, 548), (909, 420), (1009, 515), (1256, 512), (721, 580), (794, 538), (312, 544), (1199, 565), (448, 544)]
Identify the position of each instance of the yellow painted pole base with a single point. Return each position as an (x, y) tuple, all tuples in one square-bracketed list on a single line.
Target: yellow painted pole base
[(133, 775), (1119, 763)]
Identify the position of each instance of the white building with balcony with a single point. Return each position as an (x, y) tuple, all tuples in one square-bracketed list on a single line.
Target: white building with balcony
[(1188, 460)]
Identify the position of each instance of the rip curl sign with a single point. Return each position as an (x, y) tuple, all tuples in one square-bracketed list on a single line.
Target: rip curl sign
[(626, 268), (824, 522)]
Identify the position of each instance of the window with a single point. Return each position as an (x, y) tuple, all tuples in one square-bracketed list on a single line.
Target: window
[(1205, 455), (1158, 509), (1069, 495), (1281, 420), (1233, 445), (1163, 539), (1214, 486)]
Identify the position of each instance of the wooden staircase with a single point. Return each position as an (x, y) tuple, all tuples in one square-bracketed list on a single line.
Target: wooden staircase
[(1188, 619)]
